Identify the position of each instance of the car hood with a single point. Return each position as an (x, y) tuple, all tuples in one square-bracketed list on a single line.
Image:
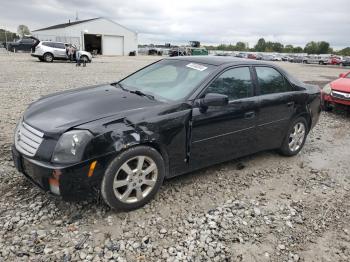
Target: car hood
[(341, 84), (54, 114)]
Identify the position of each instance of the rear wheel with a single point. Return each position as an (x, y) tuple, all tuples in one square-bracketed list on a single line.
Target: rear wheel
[(295, 137), (133, 178), (48, 57)]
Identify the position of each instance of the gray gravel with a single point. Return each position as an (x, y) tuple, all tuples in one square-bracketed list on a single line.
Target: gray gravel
[(259, 208)]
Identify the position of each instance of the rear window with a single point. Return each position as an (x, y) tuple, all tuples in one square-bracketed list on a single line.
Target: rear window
[(271, 81)]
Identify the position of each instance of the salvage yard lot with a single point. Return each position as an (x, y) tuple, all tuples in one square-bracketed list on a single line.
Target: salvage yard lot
[(259, 208)]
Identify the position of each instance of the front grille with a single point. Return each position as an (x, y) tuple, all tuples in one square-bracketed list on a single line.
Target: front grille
[(341, 95), (27, 139)]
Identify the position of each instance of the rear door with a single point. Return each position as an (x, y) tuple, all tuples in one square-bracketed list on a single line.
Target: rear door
[(276, 106), (225, 132)]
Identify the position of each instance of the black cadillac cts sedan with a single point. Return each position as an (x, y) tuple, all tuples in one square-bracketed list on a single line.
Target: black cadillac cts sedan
[(169, 118)]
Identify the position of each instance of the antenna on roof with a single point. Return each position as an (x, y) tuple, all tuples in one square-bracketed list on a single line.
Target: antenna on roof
[(76, 16)]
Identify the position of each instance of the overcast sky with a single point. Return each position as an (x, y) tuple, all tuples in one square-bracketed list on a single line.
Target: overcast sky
[(211, 22)]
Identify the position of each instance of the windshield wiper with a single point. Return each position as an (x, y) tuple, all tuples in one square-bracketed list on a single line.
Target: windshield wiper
[(120, 85), (140, 93), (137, 92)]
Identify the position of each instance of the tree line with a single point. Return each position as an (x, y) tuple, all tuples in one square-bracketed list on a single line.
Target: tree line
[(262, 45), (9, 36)]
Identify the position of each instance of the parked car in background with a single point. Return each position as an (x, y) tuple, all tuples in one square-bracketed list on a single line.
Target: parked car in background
[(267, 57), (286, 58), (297, 59), (277, 58), (259, 57), (251, 56), (24, 44), (346, 61), (48, 51), (316, 59), (172, 117), (335, 60), (337, 92), (241, 55)]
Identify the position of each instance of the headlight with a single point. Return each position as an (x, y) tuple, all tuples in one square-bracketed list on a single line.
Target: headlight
[(327, 89), (16, 129), (70, 147)]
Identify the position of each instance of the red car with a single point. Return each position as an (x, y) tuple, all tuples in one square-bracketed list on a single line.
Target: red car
[(335, 61), (251, 56), (337, 92)]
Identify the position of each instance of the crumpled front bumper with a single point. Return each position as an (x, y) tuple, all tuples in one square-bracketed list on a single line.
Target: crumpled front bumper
[(71, 182)]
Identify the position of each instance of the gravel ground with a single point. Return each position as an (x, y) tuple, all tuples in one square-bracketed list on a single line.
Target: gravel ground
[(259, 208)]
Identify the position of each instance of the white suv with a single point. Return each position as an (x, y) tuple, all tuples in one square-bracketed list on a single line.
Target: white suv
[(48, 51)]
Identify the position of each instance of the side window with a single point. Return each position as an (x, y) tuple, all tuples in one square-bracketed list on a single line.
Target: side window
[(25, 41), (236, 83), (271, 81), (59, 45), (49, 44)]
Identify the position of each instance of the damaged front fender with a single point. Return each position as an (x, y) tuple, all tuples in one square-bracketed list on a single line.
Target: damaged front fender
[(167, 130)]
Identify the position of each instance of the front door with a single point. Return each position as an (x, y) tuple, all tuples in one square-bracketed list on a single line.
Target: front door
[(225, 132), (60, 50)]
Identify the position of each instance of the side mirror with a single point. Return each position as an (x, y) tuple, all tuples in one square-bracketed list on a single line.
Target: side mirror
[(213, 99), (342, 75)]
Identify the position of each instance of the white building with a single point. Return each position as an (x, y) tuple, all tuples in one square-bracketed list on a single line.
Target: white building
[(100, 35)]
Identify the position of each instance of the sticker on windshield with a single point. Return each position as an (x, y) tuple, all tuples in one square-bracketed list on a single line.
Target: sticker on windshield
[(197, 66)]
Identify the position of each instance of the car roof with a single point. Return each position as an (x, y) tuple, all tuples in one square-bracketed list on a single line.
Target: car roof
[(48, 41), (217, 60)]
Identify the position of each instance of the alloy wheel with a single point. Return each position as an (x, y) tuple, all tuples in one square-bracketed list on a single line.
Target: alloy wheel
[(48, 58), (135, 179), (297, 136)]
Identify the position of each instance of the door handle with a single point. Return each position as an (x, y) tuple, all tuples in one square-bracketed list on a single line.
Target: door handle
[(289, 104), (249, 115)]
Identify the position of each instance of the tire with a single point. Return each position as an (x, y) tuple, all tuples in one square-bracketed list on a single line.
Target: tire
[(299, 128), (41, 59), (327, 107), (123, 195), (48, 57), (84, 57)]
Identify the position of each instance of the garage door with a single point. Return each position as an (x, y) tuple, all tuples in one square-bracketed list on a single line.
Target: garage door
[(113, 45)]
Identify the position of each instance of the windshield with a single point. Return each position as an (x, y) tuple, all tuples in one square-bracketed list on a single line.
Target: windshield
[(168, 79)]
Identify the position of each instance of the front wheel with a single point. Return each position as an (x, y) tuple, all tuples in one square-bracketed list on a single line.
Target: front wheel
[(84, 59), (295, 138), (133, 178)]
